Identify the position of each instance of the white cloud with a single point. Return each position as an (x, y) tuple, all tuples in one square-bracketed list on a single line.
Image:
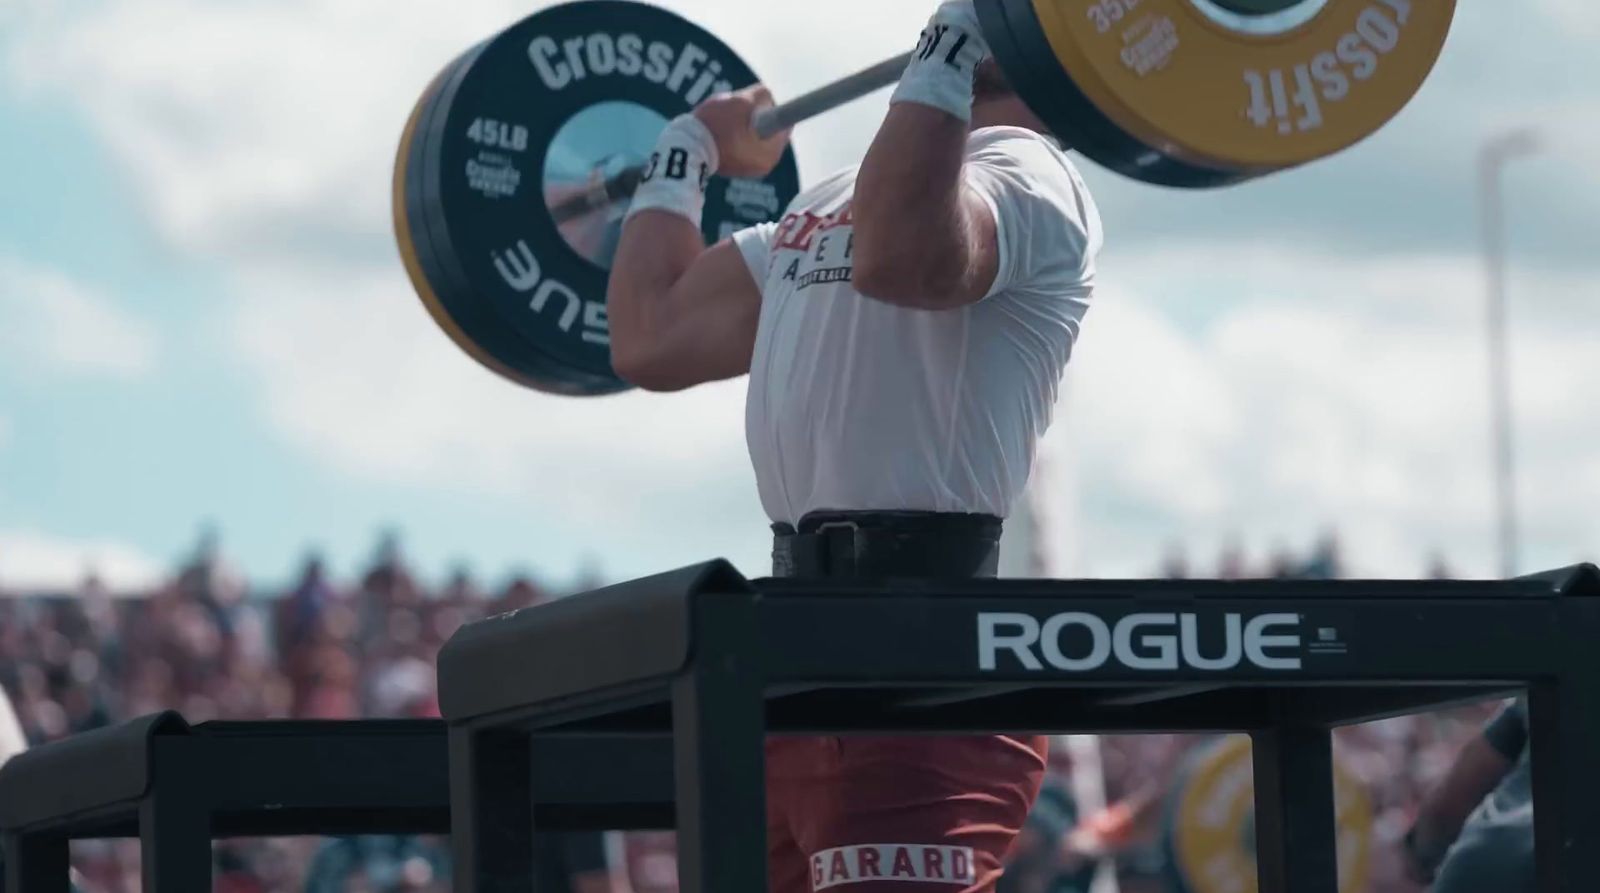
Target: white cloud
[(1330, 375), (256, 127), (65, 326), (16, 13), (370, 385), (34, 561), (262, 134), (260, 129), (240, 121), (1354, 407), (1582, 16), (1358, 405)]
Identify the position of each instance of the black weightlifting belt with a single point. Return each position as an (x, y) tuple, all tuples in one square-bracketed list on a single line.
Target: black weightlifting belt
[(887, 545)]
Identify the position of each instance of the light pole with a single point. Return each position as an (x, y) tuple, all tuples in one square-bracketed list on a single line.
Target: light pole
[(1498, 152)]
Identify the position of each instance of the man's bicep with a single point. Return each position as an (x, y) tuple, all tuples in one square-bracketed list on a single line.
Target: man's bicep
[(716, 306)]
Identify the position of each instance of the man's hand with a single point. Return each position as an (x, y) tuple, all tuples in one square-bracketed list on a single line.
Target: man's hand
[(731, 119), (682, 314)]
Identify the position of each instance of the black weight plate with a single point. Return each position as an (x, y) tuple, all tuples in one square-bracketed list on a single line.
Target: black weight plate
[(433, 286), (493, 343), (467, 321), (565, 104), (1024, 52), (411, 236)]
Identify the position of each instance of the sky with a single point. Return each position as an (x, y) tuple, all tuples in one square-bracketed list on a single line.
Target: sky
[(203, 319)]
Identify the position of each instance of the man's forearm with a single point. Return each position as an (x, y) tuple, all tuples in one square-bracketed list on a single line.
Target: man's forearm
[(916, 242), (1445, 809), (910, 221)]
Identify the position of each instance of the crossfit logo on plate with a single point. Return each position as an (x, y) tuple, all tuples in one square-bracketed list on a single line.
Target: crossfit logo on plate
[(686, 70), (1137, 642), (926, 863), (1292, 100)]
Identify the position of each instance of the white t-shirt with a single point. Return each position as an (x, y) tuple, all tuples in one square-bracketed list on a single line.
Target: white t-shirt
[(860, 405)]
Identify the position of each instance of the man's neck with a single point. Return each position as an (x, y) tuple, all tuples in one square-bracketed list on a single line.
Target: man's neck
[(985, 115), (1007, 112)]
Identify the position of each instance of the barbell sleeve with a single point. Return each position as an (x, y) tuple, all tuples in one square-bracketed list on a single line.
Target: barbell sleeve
[(779, 118)]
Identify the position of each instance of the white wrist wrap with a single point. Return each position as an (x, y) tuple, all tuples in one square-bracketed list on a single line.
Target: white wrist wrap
[(675, 177), (947, 55)]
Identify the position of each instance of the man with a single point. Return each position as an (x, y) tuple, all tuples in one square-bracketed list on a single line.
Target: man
[(905, 329), (1474, 832)]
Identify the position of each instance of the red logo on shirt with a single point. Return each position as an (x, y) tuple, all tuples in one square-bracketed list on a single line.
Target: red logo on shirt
[(796, 230)]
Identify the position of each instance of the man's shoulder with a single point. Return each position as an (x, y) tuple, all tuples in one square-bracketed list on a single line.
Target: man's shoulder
[(1004, 134), (1030, 172)]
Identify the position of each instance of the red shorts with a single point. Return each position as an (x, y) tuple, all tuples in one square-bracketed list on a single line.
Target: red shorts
[(865, 815)]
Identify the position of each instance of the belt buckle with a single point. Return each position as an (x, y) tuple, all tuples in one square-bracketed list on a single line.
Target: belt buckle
[(826, 531)]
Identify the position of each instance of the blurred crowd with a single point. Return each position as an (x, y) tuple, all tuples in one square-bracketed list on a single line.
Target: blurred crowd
[(1323, 561), (210, 646), (1395, 761)]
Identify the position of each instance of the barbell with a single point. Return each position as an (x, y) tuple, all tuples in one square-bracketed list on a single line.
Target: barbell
[(518, 161)]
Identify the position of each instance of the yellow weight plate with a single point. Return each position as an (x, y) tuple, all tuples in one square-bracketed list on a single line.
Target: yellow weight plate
[(1196, 82), (1212, 837)]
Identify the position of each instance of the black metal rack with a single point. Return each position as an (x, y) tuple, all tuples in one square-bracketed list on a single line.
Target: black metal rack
[(719, 661), (176, 787)]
